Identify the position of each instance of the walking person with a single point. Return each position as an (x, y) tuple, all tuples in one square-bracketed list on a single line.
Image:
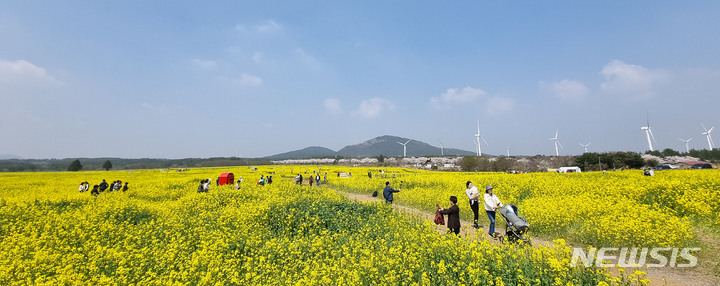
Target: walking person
[(453, 212), (472, 192), (317, 179), (492, 203), (388, 193)]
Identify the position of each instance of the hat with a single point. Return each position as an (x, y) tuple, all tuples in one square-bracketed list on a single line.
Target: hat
[(488, 187)]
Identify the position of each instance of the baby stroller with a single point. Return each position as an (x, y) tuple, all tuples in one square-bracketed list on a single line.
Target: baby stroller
[(516, 227)]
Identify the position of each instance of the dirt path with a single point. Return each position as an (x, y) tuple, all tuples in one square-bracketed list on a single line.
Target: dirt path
[(658, 276)]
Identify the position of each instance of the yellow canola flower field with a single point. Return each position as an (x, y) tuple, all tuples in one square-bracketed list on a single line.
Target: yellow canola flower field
[(163, 232), (617, 209)]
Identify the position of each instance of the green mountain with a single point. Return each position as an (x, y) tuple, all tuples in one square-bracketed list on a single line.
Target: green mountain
[(309, 152), (388, 146)]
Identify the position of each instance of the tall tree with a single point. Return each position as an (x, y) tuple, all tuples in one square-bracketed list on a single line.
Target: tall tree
[(75, 166), (107, 165)]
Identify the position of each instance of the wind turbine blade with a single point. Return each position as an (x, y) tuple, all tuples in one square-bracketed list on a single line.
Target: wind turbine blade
[(561, 147), (483, 139), (556, 133), (581, 144), (651, 135), (711, 128), (703, 126), (408, 141)]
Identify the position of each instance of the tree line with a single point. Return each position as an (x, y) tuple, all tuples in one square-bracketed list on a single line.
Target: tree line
[(102, 164)]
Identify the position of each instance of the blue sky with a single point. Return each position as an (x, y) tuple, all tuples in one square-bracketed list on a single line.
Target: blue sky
[(175, 79)]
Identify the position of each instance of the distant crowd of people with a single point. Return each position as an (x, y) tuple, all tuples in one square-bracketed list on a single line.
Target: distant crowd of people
[(103, 187)]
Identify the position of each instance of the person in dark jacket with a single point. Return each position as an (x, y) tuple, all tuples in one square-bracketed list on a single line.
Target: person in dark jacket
[(388, 193), (95, 191), (103, 185), (453, 212)]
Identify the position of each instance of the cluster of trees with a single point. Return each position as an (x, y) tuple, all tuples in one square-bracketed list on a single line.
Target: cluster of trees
[(704, 154), (612, 160), (91, 164), (587, 162)]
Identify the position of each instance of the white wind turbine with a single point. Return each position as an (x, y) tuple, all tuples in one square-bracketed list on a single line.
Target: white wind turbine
[(585, 146), (508, 150), (557, 143), (442, 149), (405, 147), (649, 134), (477, 140), (687, 146), (707, 133)]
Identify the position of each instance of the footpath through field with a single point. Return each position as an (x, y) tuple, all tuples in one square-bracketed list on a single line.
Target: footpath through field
[(658, 276)]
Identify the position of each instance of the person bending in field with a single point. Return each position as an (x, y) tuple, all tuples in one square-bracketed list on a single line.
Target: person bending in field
[(103, 186), (125, 187), (388, 193), (95, 190), (453, 212), (492, 203), (117, 186), (200, 187)]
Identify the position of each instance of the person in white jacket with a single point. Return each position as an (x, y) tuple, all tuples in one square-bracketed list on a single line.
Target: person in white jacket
[(473, 194), (492, 203)]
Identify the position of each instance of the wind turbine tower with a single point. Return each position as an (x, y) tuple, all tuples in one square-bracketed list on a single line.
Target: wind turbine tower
[(405, 147), (687, 146), (477, 140), (707, 133), (585, 146), (557, 143), (649, 134), (442, 149), (508, 150)]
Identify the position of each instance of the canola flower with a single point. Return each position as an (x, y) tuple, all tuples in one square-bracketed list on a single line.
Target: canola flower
[(162, 232), (617, 208)]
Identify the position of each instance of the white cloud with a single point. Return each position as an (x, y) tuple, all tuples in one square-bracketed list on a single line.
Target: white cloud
[(205, 64), (269, 26), (566, 89), (498, 104), (305, 58), (454, 96), (257, 57), (333, 106), (373, 107), (24, 73), (630, 81), (250, 80)]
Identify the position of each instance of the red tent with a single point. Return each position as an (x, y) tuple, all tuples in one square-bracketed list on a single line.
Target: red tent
[(226, 178)]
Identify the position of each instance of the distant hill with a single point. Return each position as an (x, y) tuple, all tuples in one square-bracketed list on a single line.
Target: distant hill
[(384, 145), (309, 152), (387, 145), (9, 157)]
